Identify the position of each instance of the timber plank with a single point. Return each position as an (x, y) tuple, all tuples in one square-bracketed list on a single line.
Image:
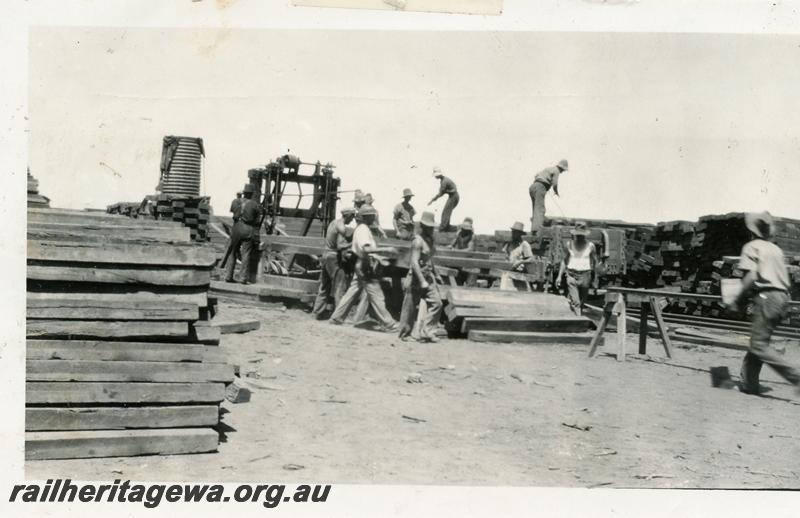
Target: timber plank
[(100, 232), (121, 310), (230, 327), (124, 371), (509, 310), (121, 351), (115, 253), (51, 215), (530, 337), (205, 334), (198, 297), (553, 325), (118, 443), (118, 418), (85, 272), (56, 393), (292, 283), (104, 329)]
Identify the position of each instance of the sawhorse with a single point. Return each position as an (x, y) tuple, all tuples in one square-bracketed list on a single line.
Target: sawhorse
[(616, 305)]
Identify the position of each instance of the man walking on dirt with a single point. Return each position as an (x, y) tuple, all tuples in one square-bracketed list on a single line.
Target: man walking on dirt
[(767, 281), (580, 265), (448, 187), (420, 284), (336, 241), (544, 180), (365, 279)]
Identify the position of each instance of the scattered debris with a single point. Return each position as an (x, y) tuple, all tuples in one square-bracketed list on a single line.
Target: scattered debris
[(263, 386), (329, 401), (605, 453), (414, 377), (651, 477), (599, 484), (414, 419), (585, 428), (293, 467), (259, 458), (517, 377), (236, 394)]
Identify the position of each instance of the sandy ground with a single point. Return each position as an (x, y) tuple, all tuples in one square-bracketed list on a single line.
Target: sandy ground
[(328, 405)]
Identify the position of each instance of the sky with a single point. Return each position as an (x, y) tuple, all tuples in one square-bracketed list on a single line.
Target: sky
[(655, 126)]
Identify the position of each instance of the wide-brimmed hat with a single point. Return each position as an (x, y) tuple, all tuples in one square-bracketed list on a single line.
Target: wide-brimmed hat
[(239, 193), (348, 210), (518, 227), (248, 188), (358, 196), (563, 164), (407, 192), (437, 171), (580, 229), (467, 224), (759, 223), (367, 210), (427, 219), (368, 198)]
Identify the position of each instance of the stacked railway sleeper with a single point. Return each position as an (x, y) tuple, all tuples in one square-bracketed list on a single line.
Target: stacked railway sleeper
[(120, 357)]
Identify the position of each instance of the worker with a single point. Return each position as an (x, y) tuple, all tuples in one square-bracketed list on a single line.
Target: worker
[(580, 264), (544, 180), (465, 238), (365, 280), (336, 240), (518, 250), (375, 227), (358, 199), (403, 217), (236, 207), (245, 236), (421, 284), (448, 187), (767, 282)]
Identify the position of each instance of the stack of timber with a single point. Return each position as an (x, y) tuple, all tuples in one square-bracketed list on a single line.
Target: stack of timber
[(268, 289), (117, 361), (35, 199), (512, 316), (126, 208), (191, 211)]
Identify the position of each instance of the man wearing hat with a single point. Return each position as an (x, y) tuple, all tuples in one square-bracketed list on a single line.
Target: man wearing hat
[(518, 250), (245, 236), (421, 284), (767, 282), (236, 207), (465, 238), (365, 279), (448, 187), (375, 227), (358, 199), (338, 239), (580, 265), (544, 180), (403, 217)]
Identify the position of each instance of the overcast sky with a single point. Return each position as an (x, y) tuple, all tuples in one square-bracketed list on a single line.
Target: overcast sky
[(655, 126)]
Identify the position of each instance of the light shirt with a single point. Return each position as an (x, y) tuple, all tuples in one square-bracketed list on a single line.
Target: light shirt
[(520, 252), (580, 260), (361, 237), (447, 186), (766, 260), (404, 216), (549, 176)]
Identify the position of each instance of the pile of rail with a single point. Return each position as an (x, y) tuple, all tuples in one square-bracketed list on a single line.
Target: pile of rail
[(119, 359), (36, 200)]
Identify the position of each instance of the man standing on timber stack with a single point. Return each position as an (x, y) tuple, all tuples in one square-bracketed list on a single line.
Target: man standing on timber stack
[(337, 241), (545, 179), (365, 280), (245, 236), (465, 238), (403, 217), (420, 284), (580, 264), (767, 281), (375, 227), (448, 187)]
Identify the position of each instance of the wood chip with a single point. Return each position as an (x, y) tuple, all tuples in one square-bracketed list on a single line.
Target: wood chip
[(414, 419), (585, 428)]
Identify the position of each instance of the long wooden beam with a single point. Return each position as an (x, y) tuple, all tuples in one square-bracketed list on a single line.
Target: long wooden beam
[(110, 274), (151, 254), (125, 371), (198, 297), (36, 328), (122, 310), (62, 393), (97, 350), (119, 418), (118, 443)]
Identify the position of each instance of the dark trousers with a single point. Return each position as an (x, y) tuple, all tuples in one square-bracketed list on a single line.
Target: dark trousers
[(578, 284), (414, 295), (538, 191), (327, 277), (452, 202), (769, 309)]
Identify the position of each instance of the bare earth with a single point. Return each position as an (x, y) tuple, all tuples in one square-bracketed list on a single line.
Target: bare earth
[(327, 405)]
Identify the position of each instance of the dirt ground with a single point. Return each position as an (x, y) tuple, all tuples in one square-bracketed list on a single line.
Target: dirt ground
[(328, 405)]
